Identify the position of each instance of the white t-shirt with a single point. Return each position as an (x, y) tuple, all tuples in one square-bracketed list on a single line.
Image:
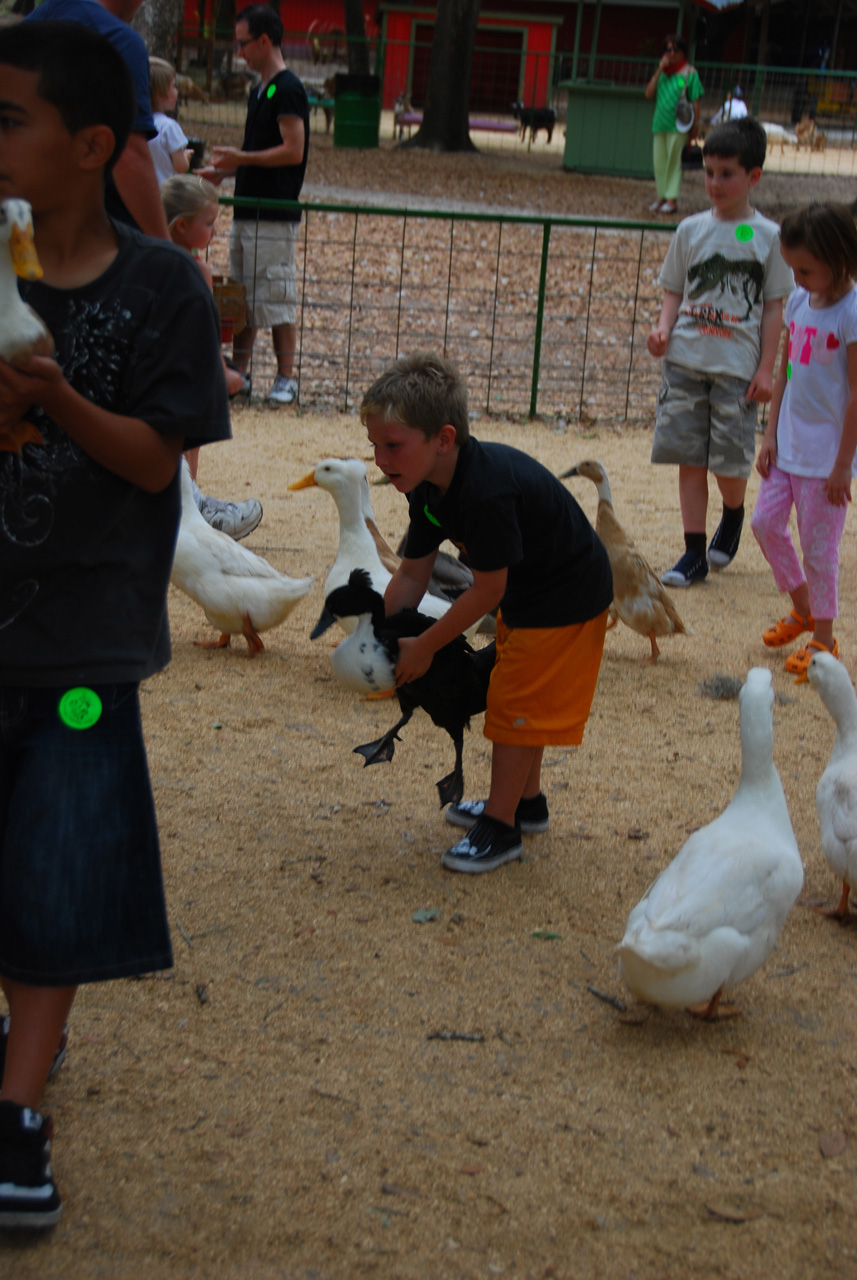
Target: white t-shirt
[(734, 109), (725, 272), (809, 428), (170, 138)]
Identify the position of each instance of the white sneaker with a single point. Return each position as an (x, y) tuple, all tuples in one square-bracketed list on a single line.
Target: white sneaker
[(235, 518), (284, 390)]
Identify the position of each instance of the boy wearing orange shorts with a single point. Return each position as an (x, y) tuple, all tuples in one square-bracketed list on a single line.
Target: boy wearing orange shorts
[(532, 552)]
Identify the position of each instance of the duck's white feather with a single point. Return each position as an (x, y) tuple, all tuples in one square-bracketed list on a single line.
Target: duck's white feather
[(346, 481), (836, 793), (229, 582), (22, 332), (714, 914)]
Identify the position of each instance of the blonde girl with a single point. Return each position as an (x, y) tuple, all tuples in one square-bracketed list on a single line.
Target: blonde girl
[(190, 204), (806, 459)]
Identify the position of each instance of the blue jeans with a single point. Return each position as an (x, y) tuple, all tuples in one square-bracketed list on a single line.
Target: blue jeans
[(81, 890)]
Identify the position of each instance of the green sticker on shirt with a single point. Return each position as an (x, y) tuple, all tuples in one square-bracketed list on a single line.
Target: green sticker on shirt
[(429, 516), (743, 232), (272, 89), (80, 708), (789, 371)]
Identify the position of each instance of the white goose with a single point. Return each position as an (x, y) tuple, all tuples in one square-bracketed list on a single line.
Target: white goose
[(836, 793), (239, 592), (714, 914), (22, 332), (346, 482)]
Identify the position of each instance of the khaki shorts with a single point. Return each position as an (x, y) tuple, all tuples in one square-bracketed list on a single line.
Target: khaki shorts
[(262, 257), (705, 422), (543, 683)]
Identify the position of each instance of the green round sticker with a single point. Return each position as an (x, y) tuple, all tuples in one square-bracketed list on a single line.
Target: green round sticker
[(743, 232), (80, 708), (789, 371), (272, 89)]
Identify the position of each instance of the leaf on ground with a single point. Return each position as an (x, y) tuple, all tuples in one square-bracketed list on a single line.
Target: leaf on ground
[(425, 915), (724, 1213), (832, 1144), (546, 936)]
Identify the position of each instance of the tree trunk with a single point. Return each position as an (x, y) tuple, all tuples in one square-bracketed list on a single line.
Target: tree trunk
[(355, 32), (157, 21), (445, 125)]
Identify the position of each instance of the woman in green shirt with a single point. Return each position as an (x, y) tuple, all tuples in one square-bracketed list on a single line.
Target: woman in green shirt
[(674, 74)]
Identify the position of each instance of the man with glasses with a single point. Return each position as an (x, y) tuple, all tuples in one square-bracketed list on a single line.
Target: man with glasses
[(270, 165)]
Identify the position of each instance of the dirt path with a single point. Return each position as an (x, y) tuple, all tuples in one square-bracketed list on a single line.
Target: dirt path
[(286, 1102)]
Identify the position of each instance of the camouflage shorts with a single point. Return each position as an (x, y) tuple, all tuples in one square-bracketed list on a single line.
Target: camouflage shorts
[(705, 422)]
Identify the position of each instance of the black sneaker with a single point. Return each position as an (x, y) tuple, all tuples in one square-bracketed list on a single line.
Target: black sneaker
[(59, 1056), (531, 815), (28, 1196), (692, 567), (487, 845), (721, 549)]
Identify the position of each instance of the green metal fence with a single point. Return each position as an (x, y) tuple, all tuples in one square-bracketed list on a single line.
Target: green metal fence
[(544, 315)]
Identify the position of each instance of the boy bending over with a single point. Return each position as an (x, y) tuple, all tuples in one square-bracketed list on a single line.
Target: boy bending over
[(532, 551), (718, 331), (89, 519)]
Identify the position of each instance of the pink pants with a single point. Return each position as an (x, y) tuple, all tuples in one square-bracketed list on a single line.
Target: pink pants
[(819, 526)]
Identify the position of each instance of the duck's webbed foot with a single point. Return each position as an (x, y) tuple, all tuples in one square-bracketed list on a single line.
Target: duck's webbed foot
[(381, 750)]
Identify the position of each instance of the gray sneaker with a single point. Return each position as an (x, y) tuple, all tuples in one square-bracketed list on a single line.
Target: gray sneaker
[(531, 815), (235, 518), (284, 390)]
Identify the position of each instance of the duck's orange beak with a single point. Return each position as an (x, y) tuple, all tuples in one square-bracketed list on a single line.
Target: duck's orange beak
[(308, 482), (22, 250)]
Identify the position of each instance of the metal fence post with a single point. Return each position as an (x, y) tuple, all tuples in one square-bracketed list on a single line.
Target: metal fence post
[(540, 316)]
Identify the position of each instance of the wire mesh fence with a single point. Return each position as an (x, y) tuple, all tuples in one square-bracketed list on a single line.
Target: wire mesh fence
[(544, 315)]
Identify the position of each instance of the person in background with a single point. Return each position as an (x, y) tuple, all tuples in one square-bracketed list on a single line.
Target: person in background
[(734, 108), (169, 149), (132, 188), (674, 73), (270, 165), (190, 204)]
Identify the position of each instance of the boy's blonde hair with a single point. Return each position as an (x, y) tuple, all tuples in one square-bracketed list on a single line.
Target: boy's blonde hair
[(161, 76), (185, 195), (423, 391)]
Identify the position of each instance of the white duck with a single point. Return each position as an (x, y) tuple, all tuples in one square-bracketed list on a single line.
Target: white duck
[(345, 480), (22, 332), (836, 793), (639, 597), (239, 592), (714, 914)]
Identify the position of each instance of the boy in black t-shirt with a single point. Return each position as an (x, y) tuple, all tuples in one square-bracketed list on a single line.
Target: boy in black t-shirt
[(532, 552), (90, 443)]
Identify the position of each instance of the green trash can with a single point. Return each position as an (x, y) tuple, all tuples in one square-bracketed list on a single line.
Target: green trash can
[(357, 111)]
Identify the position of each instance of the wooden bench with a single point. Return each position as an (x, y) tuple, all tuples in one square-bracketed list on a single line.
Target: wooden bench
[(407, 119)]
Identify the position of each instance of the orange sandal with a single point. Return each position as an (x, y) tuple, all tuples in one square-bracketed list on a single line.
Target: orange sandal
[(797, 663), (787, 630)]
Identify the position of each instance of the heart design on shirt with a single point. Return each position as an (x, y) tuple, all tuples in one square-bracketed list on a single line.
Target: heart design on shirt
[(832, 342)]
